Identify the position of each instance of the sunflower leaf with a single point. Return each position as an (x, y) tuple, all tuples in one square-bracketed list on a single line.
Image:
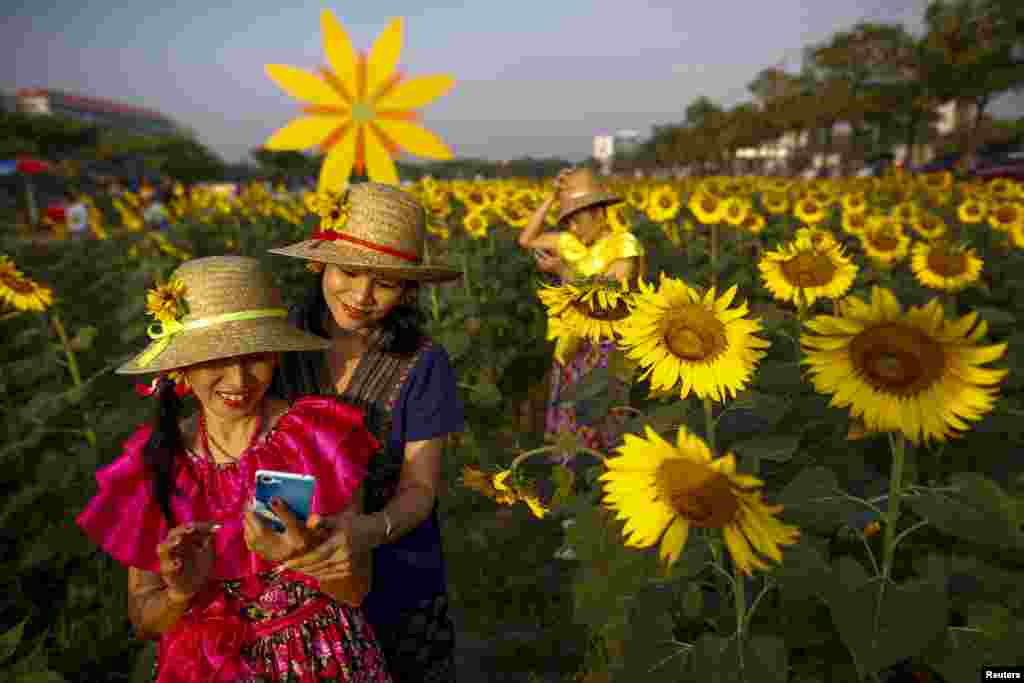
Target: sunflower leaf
[(996, 317), (912, 615), (813, 500), (777, 448), (979, 512), (959, 655)]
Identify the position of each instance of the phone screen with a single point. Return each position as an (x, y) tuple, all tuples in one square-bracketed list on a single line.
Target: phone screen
[(296, 490)]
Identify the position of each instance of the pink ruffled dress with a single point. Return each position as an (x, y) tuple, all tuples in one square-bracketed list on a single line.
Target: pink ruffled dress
[(249, 625)]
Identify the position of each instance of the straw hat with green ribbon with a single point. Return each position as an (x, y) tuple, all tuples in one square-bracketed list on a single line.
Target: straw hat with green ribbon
[(384, 232), (213, 308)]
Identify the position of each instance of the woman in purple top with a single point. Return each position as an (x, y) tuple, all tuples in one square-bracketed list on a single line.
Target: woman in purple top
[(379, 360)]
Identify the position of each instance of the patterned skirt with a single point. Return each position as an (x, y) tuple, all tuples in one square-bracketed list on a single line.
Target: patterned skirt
[(294, 635), (601, 432), (420, 646)]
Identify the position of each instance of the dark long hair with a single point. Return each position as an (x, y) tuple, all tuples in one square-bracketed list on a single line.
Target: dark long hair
[(298, 373), (164, 443)]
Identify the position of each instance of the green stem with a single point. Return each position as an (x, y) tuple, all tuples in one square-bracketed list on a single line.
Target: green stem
[(892, 516), (435, 304), (709, 422), (465, 274), (740, 594), (76, 375), (714, 255)]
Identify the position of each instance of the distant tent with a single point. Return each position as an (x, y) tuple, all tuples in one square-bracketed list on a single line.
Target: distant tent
[(25, 165)]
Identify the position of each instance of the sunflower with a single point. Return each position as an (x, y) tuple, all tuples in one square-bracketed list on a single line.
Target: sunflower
[(914, 372), (590, 309), (929, 226), (945, 267), (817, 236), (662, 489), (616, 216), (905, 212), (663, 204), (885, 242), (754, 223), (637, 197), (854, 202), (810, 211), (775, 202), (971, 211), (735, 210), (802, 271), (20, 292), (1017, 235), (937, 182), (679, 336), (475, 224), (510, 495), (706, 207), (166, 302), (1003, 215), (855, 223), (1002, 188)]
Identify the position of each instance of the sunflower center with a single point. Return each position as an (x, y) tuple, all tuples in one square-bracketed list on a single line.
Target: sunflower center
[(946, 262), (695, 334), (1005, 215), (18, 285), (665, 202), (708, 205), (362, 112), (698, 493), (884, 240), (898, 359), (809, 269), (620, 311)]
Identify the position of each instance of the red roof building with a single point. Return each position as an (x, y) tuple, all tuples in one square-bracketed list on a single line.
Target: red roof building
[(95, 110)]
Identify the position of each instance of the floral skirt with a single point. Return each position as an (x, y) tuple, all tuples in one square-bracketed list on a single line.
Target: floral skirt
[(263, 630), (601, 432)]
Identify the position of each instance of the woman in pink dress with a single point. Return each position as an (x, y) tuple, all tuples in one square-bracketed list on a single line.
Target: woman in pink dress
[(175, 507)]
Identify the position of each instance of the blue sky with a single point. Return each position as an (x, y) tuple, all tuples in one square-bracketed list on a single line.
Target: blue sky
[(533, 78)]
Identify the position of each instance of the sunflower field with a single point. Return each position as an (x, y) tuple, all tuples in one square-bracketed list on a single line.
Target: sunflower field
[(821, 385)]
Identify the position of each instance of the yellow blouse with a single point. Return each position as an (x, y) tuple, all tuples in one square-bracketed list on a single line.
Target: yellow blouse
[(597, 258)]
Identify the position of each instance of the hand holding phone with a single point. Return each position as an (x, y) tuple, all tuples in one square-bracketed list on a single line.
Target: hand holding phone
[(295, 490)]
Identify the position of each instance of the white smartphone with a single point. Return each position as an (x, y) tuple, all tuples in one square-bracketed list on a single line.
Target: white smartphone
[(296, 490)]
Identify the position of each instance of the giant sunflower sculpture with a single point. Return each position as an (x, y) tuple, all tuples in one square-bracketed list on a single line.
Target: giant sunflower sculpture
[(360, 111), (805, 270), (662, 490), (944, 266), (903, 371), (698, 342)]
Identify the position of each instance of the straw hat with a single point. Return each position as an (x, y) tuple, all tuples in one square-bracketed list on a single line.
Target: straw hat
[(581, 189), (233, 309), (384, 232)]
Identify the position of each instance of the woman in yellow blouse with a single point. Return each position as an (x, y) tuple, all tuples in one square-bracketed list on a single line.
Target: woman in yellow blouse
[(588, 248)]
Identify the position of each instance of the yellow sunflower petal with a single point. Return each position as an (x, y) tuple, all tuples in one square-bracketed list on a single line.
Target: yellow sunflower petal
[(338, 48), (415, 139), (415, 93), (302, 85), (384, 56), (337, 167), (303, 133), (380, 167)]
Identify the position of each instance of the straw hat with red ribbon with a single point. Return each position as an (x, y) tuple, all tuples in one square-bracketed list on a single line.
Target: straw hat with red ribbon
[(579, 190), (384, 232)]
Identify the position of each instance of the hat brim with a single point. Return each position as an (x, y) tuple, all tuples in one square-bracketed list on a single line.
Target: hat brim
[(236, 338), (596, 199), (323, 251)]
